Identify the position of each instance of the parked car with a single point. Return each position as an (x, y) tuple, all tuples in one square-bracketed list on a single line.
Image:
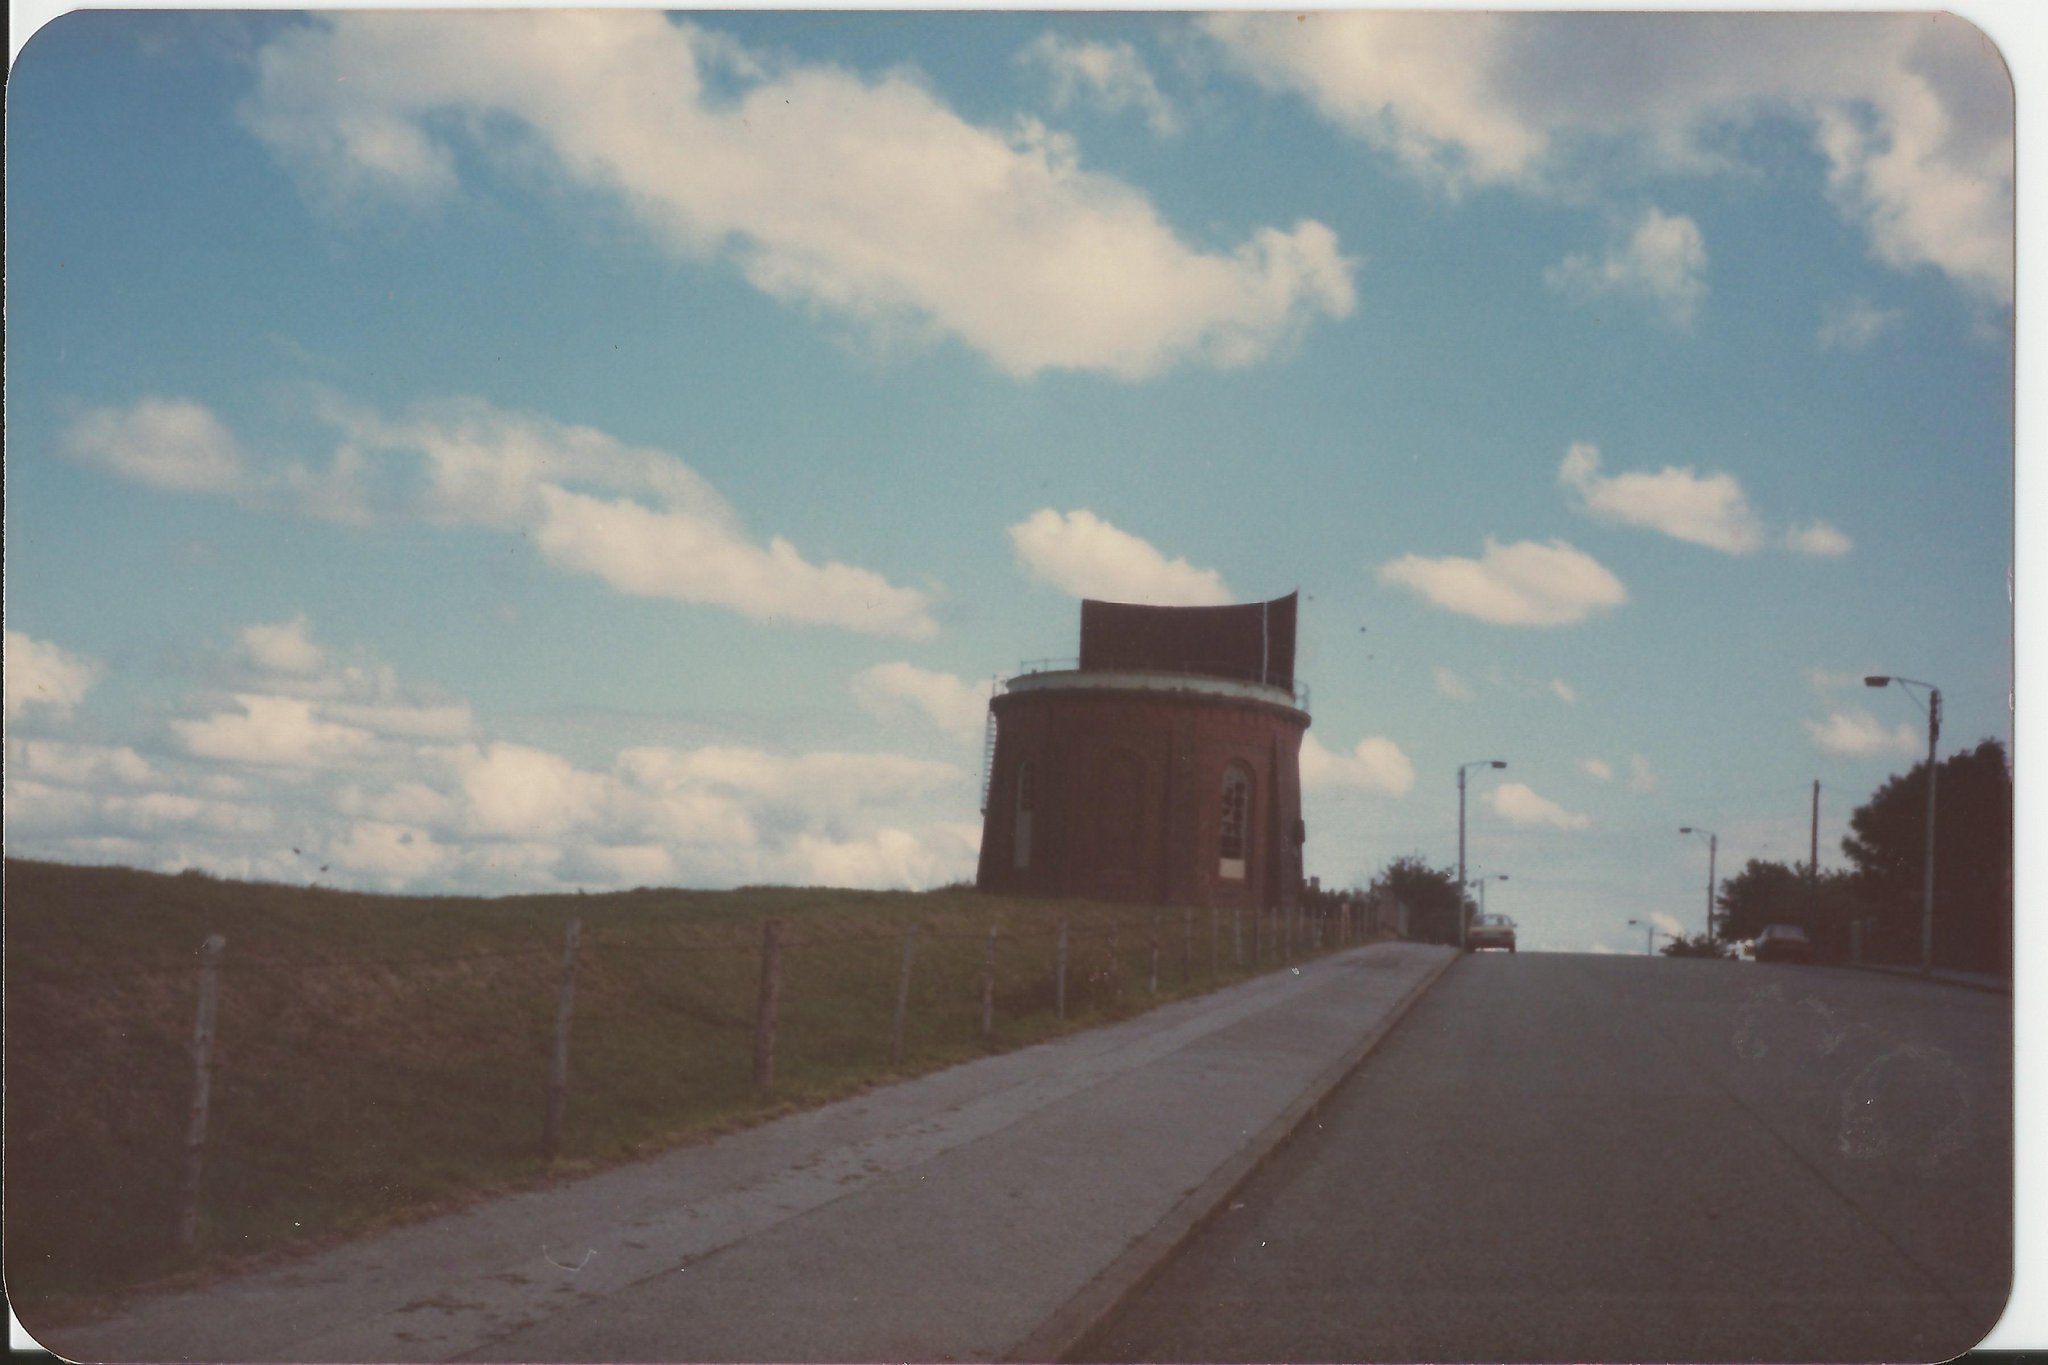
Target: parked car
[(1783, 943), (1490, 931)]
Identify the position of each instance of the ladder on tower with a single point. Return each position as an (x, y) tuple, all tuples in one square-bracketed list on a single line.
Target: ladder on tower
[(988, 756)]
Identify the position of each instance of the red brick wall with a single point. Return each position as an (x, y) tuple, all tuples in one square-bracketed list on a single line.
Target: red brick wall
[(1128, 797)]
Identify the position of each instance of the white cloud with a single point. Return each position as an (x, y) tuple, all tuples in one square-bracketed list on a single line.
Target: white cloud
[(1818, 539), (1111, 76), (639, 519), (1641, 780), (1667, 923), (1598, 769), (1518, 805), (171, 444), (1911, 114), (1663, 261), (36, 673), (1858, 734), (1852, 324), (78, 765), (393, 855), (270, 730), (1374, 764), (1451, 685), (1524, 584), (886, 858), (283, 648), (956, 706), (1564, 691), (1079, 553), (353, 774), (1709, 510), (868, 200), (515, 792)]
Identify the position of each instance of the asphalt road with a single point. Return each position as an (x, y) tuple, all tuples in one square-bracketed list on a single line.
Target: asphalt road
[(1564, 1157)]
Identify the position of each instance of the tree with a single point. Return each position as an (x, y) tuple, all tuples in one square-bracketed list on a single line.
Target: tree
[(1697, 946), (1762, 893), (1972, 861), (1431, 895)]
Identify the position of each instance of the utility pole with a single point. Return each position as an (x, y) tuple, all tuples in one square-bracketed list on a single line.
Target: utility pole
[(1813, 860)]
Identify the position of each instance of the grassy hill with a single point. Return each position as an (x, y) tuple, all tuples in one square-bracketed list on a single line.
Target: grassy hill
[(379, 1057)]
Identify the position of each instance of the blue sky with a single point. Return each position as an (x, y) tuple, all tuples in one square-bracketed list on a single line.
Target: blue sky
[(502, 452)]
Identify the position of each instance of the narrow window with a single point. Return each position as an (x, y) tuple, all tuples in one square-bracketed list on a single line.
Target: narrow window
[(1237, 786), (1027, 797)]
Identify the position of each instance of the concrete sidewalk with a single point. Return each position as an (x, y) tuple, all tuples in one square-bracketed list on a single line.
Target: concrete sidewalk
[(990, 1211)]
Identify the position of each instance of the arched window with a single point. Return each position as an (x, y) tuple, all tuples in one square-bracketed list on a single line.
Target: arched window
[(1235, 831), (1027, 798)]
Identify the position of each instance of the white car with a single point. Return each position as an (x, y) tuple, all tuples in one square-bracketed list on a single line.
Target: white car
[(1490, 931)]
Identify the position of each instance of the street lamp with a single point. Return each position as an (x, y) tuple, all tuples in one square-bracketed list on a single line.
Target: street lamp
[(1481, 882), (1476, 763), (1713, 847), (1933, 709), (1650, 932)]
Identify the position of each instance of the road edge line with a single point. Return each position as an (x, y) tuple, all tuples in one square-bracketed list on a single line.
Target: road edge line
[(1135, 1266)]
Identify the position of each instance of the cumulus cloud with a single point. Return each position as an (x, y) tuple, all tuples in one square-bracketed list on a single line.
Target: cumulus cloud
[(1818, 539), (638, 519), (865, 199), (1374, 764), (1911, 115), (1564, 691), (1852, 324), (275, 785), (1858, 734), (956, 706), (1597, 769), (172, 444), (270, 730), (1079, 553), (1708, 510), (1518, 805), (38, 674), (1524, 584), (1110, 76), (78, 765), (1703, 509), (283, 648), (1449, 684), (1663, 261)]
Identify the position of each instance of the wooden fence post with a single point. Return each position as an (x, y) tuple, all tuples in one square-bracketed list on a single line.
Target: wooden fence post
[(767, 1004), (1059, 973), (558, 1068), (902, 997), (988, 985), (202, 1088)]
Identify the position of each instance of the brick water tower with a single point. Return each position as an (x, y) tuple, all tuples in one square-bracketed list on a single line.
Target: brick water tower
[(1162, 768)]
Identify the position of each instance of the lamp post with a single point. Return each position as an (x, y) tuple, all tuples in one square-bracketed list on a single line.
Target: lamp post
[(1650, 932), (1462, 769), (1713, 848), (1481, 882), (1933, 709)]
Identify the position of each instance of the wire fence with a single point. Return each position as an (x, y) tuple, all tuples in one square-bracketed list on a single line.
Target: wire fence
[(229, 1101)]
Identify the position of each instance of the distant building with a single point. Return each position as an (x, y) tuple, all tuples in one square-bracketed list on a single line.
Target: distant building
[(1163, 768)]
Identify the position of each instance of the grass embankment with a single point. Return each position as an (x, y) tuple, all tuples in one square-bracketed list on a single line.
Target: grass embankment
[(382, 1056)]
